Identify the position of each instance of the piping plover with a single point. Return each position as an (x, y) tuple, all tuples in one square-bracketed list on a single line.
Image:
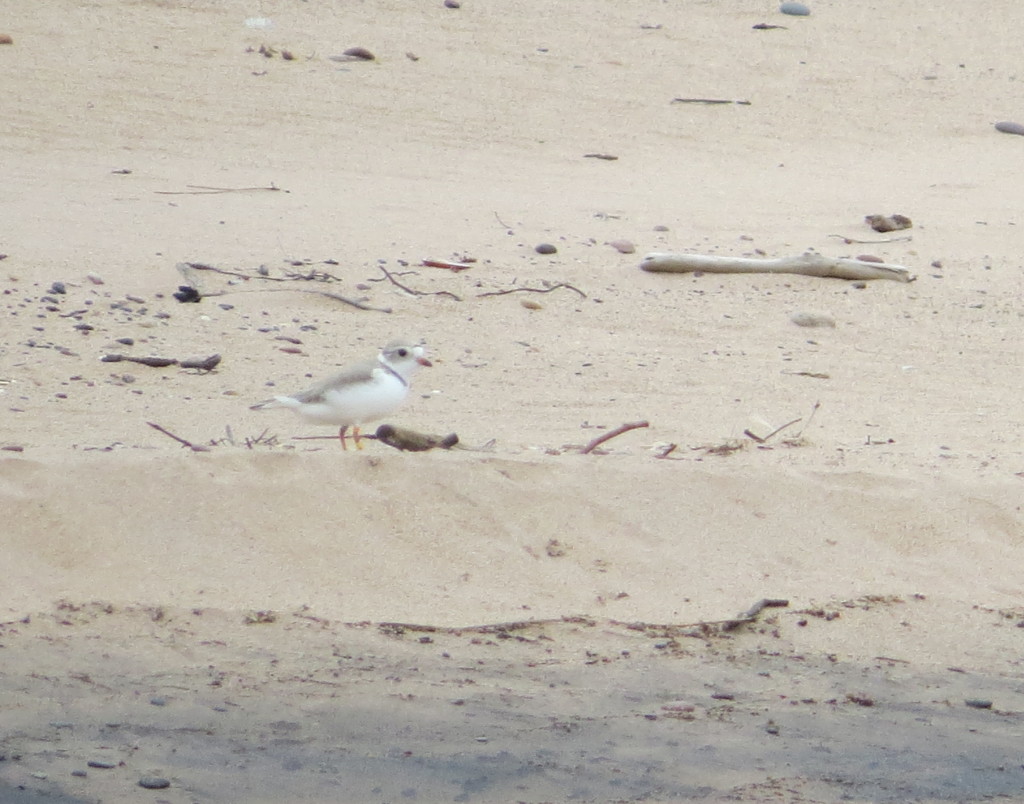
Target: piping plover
[(359, 393)]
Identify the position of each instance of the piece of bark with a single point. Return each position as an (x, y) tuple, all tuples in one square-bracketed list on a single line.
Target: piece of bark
[(806, 264)]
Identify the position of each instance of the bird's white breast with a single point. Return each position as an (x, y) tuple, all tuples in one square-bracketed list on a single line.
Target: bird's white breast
[(358, 402)]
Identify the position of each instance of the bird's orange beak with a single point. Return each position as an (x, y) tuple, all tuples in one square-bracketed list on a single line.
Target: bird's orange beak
[(423, 361)]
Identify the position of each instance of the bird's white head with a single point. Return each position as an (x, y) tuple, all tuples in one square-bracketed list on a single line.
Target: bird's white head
[(404, 358)]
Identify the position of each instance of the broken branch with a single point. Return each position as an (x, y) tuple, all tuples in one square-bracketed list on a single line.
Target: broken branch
[(625, 428), (806, 264), (179, 439)]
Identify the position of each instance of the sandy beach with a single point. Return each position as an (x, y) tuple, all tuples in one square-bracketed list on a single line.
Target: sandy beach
[(225, 605)]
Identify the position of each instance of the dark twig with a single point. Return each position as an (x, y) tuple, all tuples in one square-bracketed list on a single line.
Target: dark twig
[(774, 432), (199, 266), (625, 428), (711, 101), (849, 240), (751, 614), (407, 289), (199, 189), (730, 624), (810, 419), (532, 290), (179, 439)]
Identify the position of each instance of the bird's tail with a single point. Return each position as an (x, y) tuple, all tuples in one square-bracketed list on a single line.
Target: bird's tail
[(275, 402)]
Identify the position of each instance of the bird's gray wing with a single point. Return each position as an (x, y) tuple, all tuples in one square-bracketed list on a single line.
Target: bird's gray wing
[(359, 372)]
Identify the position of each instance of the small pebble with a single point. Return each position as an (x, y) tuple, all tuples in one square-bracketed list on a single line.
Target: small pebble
[(58, 287), (79, 773), (126, 341), (530, 304), (154, 783), (803, 319), (795, 9), (96, 279), (978, 703), (661, 228), (545, 248), (623, 246), (1008, 127), (101, 763), (158, 700), (452, 4), (5, 39)]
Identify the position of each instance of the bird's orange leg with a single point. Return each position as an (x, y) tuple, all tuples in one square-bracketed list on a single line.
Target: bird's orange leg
[(341, 437), (355, 435)]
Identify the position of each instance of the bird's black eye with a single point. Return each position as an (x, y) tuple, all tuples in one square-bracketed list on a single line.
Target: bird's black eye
[(403, 352)]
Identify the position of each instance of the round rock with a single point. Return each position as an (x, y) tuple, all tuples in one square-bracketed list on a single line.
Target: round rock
[(545, 248), (795, 9), (623, 246), (154, 782)]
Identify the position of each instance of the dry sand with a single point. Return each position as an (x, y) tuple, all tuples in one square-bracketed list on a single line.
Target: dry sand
[(275, 620)]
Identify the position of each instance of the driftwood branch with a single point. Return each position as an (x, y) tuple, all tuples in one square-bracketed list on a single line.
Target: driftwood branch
[(744, 618), (625, 428), (807, 264)]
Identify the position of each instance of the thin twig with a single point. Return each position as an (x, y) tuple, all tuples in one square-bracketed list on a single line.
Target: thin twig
[(849, 240), (625, 428), (711, 101), (199, 189), (504, 225), (179, 439), (729, 624), (774, 432), (199, 266), (410, 290), (809, 419), (337, 297), (532, 290)]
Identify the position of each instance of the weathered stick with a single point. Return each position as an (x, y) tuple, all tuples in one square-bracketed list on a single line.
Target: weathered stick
[(807, 264), (179, 439), (625, 428), (750, 614)]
